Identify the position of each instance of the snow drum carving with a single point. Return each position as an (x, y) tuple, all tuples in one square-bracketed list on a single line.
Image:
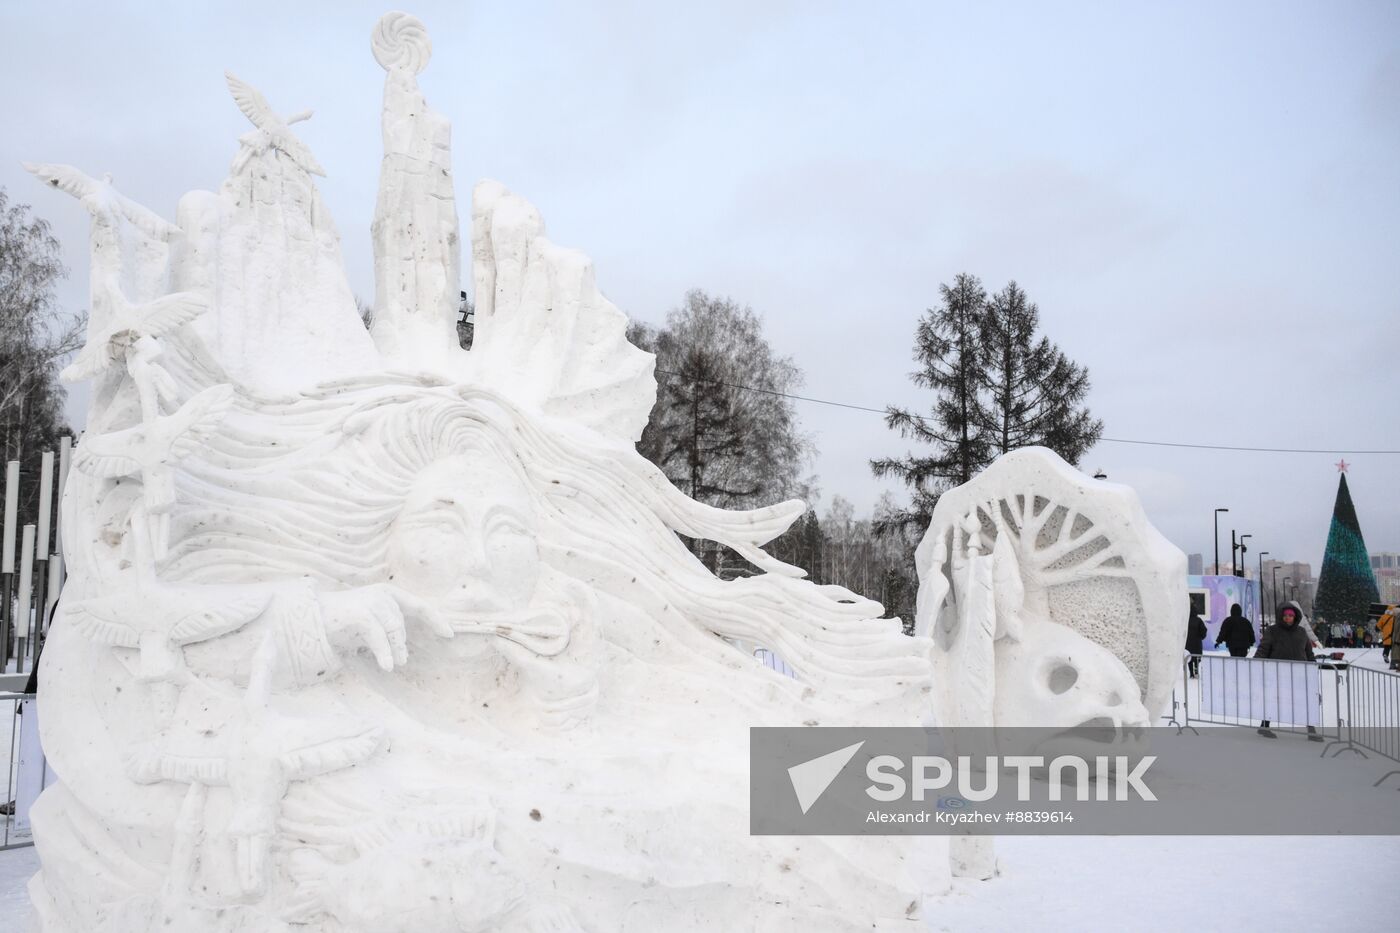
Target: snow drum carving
[(379, 634)]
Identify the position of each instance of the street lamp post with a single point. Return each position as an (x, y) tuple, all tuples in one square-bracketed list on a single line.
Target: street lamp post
[(1244, 561), (1217, 539), (1275, 589), (1261, 589), (1286, 581)]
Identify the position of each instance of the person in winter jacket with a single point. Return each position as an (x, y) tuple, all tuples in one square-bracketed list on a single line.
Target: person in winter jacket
[(1236, 632), (1195, 641), (1286, 641), (1385, 628)]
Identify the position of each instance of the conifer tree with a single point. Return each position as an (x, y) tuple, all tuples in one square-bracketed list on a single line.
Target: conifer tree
[(1346, 587), (1035, 392), (999, 388), (947, 346)]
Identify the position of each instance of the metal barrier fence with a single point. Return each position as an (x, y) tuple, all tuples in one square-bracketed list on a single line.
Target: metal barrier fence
[(26, 772), (1351, 708), (1228, 691), (1371, 715)]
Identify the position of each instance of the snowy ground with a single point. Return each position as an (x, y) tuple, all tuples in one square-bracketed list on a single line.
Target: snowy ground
[(1173, 883), (16, 867), (1115, 883)]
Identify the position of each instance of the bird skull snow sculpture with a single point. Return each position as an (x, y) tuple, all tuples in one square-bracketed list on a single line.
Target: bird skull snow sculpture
[(1050, 599), (371, 634), (1051, 602)]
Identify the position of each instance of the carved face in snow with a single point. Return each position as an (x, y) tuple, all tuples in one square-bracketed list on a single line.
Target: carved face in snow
[(467, 534), (1054, 677)]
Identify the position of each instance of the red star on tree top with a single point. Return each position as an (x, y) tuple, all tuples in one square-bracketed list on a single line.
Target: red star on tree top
[(1342, 466)]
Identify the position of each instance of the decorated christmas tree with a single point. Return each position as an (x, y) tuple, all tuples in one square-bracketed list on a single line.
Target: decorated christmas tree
[(1346, 588)]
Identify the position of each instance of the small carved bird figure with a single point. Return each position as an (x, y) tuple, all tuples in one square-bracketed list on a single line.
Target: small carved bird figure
[(150, 450), (160, 618), (246, 746), (127, 327), (272, 131), (102, 201), (111, 213)]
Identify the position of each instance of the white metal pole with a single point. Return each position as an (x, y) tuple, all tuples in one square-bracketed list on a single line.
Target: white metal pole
[(7, 553), (26, 575), (41, 542), (65, 453)]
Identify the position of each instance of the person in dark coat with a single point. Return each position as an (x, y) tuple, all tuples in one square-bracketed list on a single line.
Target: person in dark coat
[(1236, 632), (1195, 641), (1286, 641)]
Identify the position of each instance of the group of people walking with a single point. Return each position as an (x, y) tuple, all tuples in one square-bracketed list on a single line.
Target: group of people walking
[(1236, 634), (1290, 639)]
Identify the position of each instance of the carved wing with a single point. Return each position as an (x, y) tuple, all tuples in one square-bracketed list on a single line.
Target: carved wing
[(187, 429), (207, 621), (95, 357), (165, 314), (101, 619), (149, 765), (65, 178), (145, 219), (327, 755), (250, 100), (108, 456)]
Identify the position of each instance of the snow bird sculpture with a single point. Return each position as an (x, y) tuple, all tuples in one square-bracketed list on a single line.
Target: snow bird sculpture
[(151, 450), (256, 752), (129, 337), (273, 132), (159, 619), (100, 199)]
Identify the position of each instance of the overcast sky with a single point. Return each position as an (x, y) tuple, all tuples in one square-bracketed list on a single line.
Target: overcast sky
[(1203, 198)]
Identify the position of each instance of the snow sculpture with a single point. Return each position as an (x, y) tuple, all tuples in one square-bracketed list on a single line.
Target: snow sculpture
[(264, 253), (416, 249), (1051, 601), (363, 641)]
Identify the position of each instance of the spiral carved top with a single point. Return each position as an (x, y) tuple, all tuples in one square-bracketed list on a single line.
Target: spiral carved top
[(400, 41)]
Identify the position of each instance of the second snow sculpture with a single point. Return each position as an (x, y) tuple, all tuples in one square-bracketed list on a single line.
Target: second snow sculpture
[(376, 636), (1051, 602), (1050, 599)]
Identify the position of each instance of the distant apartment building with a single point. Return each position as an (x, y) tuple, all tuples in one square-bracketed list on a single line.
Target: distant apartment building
[(1386, 567), (1295, 581), (1195, 565)]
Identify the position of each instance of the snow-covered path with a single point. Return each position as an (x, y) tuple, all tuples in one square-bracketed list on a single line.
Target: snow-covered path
[(1115, 883), (1147, 884)]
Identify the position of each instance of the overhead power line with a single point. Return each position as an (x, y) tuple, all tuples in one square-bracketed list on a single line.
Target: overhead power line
[(1103, 440)]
